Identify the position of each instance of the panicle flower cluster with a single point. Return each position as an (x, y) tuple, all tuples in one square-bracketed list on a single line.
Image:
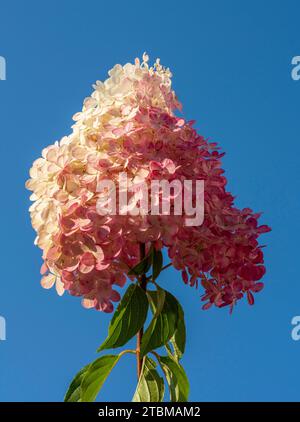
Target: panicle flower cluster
[(128, 125)]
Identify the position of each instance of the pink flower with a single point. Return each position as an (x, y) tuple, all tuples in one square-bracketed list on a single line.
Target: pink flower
[(128, 125)]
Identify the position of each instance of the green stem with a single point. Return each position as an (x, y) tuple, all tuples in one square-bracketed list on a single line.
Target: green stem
[(163, 268), (143, 284), (127, 351)]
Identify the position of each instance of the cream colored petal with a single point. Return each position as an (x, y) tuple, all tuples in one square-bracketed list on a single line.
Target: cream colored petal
[(48, 281), (59, 287)]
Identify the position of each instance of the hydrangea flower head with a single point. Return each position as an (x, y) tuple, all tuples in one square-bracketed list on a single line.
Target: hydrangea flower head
[(128, 124)]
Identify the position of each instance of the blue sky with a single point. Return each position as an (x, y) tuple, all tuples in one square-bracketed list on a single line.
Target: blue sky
[(232, 71)]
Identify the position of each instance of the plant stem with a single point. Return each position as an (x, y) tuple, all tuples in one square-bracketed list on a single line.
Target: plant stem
[(163, 268), (143, 284)]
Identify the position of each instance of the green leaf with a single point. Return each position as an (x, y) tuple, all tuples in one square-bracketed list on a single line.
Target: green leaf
[(178, 340), (151, 386), (156, 300), (142, 267), (128, 318), (96, 375), (74, 391), (176, 378), (157, 263), (162, 326)]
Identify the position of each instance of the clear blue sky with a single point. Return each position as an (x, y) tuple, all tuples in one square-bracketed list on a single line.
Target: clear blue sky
[(231, 65)]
